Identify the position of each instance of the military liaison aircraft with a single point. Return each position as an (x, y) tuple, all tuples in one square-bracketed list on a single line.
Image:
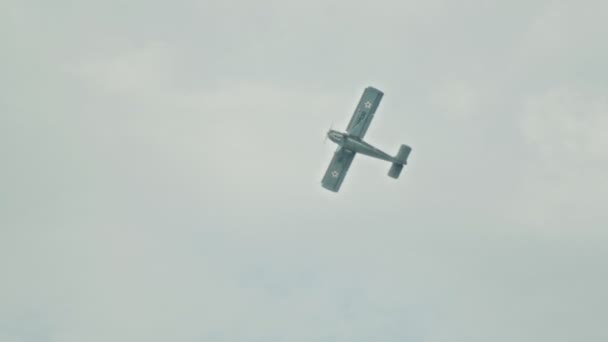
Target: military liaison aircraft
[(351, 143)]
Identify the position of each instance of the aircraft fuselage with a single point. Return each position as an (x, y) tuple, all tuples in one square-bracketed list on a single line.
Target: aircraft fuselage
[(358, 146)]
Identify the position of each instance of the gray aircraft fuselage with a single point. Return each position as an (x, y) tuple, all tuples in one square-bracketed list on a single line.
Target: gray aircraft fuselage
[(350, 143), (358, 146)]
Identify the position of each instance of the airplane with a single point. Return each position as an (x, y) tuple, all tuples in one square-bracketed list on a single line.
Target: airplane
[(351, 142)]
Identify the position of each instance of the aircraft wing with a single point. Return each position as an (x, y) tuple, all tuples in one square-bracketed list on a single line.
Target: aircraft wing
[(364, 113), (337, 169)]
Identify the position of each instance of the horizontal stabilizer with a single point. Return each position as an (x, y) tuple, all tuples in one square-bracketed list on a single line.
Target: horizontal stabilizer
[(404, 152), (397, 167), (395, 170)]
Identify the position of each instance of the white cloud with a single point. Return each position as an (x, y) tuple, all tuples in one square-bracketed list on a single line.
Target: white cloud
[(166, 187), (458, 99), (142, 71), (566, 31), (564, 183), (568, 125)]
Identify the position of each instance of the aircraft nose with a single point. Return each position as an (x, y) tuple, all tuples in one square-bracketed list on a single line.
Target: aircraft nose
[(335, 136), (331, 135)]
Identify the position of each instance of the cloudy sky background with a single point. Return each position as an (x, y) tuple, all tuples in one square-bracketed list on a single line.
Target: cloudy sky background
[(161, 166)]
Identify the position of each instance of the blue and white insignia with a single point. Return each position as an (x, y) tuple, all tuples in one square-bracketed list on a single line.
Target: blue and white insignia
[(335, 174), (368, 105)]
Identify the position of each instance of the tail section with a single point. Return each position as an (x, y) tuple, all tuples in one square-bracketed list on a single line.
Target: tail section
[(401, 158), (395, 170)]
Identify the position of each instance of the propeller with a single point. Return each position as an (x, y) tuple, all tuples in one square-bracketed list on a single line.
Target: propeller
[(330, 128)]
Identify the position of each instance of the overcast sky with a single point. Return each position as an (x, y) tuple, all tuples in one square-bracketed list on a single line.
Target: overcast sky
[(161, 165)]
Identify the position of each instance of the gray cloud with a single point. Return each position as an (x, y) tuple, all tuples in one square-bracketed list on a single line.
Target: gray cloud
[(161, 169)]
